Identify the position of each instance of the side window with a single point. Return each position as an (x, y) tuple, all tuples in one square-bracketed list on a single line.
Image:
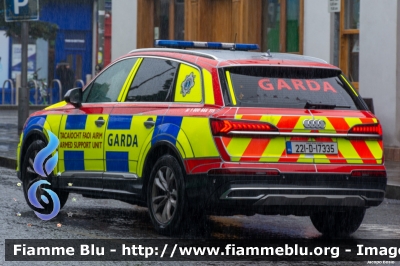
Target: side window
[(108, 85), (188, 85), (153, 81)]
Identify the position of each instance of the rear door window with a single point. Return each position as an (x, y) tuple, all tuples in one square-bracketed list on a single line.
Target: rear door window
[(154, 81), (286, 87)]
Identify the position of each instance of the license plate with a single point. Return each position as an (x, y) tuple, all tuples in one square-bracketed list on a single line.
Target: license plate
[(311, 147)]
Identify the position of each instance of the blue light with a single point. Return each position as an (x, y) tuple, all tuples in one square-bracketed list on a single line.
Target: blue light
[(214, 45), (175, 44), (206, 45), (246, 47)]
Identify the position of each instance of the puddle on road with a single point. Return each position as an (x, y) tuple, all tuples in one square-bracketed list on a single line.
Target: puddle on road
[(384, 231), (134, 221)]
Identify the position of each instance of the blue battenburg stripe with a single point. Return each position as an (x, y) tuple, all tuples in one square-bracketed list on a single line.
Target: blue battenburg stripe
[(117, 161), (167, 128), (36, 122), (74, 161), (75, 122), (119, 122), (156, 128)]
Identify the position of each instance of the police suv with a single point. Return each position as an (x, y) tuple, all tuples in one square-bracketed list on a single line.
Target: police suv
[(223, 131)]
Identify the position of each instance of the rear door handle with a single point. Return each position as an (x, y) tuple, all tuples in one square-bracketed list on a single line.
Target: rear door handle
[(149, 123), (99, 122)]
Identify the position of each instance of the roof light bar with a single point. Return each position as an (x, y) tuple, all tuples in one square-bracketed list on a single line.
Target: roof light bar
[(207, 45)]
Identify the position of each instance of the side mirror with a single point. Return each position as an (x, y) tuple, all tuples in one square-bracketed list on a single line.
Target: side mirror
[(74, 97)]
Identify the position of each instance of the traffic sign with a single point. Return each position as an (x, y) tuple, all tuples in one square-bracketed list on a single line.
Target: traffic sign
[(334, 6), (21, 10)]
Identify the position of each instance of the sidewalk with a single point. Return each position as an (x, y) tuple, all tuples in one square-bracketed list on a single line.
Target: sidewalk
[(9, 142)]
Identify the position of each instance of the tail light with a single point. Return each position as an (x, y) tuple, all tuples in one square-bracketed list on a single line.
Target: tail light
[(368, 173), (223, 127), (369, 129)]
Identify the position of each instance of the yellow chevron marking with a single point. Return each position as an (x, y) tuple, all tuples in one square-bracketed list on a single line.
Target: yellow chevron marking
[(237, 147), (274, 150), (272, 119), (374, 148), (352, 121), (348, 151)]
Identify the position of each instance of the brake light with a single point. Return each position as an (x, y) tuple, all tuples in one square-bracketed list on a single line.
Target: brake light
[(368, 173), (366, 129), (222, 127)]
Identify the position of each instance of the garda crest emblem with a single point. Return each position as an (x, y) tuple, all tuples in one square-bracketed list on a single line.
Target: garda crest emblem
[(187, 84)]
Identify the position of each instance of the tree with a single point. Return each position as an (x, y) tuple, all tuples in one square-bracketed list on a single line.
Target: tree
[(37, 29)]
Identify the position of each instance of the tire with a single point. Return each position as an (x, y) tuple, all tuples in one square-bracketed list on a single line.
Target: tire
[(166, 195), (29, 176), (334, 224)]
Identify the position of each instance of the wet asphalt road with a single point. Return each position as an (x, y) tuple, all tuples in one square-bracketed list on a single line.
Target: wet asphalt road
[(99, 218)]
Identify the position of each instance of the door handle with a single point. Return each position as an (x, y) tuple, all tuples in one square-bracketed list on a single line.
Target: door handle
[(149, 123), (100, 122)]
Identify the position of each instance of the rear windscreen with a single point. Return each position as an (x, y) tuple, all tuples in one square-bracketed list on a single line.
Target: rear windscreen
[(286, 87)]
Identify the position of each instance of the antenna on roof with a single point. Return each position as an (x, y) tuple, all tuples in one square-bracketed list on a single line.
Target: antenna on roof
[(268, 53), (234, 42)]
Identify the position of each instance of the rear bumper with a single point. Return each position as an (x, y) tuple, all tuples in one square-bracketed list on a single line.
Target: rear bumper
[(298, 193)]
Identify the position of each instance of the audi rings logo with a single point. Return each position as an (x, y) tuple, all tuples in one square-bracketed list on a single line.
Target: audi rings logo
[(314, 124)]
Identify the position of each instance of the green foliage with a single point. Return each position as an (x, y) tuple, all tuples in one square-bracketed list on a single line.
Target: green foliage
[(37, 29)]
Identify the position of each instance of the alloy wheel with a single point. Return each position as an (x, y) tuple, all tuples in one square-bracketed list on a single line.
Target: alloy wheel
[(164, 195)]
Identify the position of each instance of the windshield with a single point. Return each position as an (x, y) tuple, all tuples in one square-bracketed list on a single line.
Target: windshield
[(286, 87)]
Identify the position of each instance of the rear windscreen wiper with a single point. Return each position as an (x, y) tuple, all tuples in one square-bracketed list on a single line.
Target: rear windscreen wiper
[(310, 105)]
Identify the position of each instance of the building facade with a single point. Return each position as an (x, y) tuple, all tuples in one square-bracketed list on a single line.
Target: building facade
[(363, 38), (73, 44)]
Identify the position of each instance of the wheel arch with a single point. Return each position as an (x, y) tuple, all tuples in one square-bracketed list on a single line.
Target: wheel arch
[(36, 127), (156, 151), (32, 135)]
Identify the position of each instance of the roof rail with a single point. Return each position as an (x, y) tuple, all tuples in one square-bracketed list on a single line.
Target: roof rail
[(316, 59), (206, 45)]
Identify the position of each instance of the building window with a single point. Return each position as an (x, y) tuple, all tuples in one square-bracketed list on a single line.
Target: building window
[(349, 39), (282, 26), (169, 18)]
